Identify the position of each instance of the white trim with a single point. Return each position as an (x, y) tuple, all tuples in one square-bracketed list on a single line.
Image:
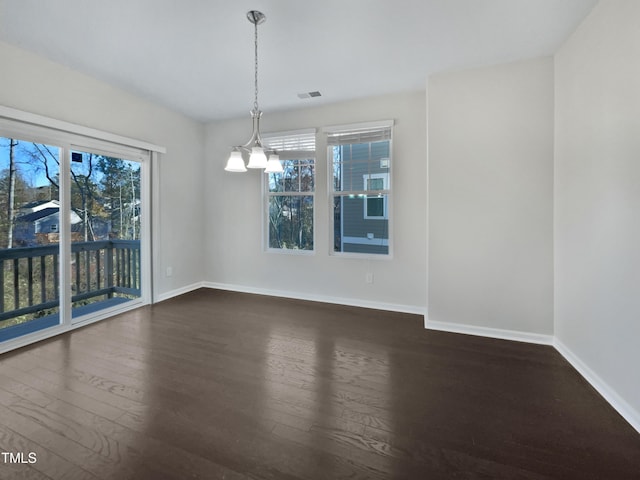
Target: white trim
[(144, 161), (362, 256), (42, 121), (383, 193), (178, 291), (64, 243), (99, 147), (83, 321), (376, 242), (68, 137), (266, 201), (154, 276), (46, 333), (513, 335), (427, 182), (146, 240), (290, 251), (620, 405), (332, 194), (289, 133), (391, 307), (610, 395), (358, 126), (34, 337), (109, 312)]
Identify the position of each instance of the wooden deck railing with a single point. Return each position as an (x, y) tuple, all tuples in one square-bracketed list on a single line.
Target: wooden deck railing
[(29, 276)]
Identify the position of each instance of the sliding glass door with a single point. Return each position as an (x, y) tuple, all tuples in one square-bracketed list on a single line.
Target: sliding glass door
[(74, 230), (106, 230), (29, 236)]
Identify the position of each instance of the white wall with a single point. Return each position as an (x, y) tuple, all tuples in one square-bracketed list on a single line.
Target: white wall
[(33, 84), (234, 238), (491, 198), (597, 201), (491, 195)]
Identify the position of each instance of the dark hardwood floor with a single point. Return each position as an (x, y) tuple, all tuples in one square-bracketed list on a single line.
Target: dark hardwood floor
[(217, 384)]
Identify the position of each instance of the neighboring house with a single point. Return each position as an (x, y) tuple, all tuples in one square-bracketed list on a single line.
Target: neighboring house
[(38, 205), (362, 224), (99, 230), (41, 226)]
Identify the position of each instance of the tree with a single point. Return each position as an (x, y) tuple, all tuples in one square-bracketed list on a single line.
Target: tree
[(102, 188), (134, 196), (120, 188), (85, 189), (45, 160), (22, 194), (12, 191), (291, 214)]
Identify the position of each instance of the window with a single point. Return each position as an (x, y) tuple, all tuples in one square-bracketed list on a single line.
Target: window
[(375, 206), (360, 163), (290, 194)]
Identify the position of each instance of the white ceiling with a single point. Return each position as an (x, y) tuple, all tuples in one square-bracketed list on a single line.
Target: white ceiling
[(196, 56)]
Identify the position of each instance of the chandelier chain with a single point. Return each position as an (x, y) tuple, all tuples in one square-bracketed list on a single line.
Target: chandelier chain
[(255, 100), (254, 148)]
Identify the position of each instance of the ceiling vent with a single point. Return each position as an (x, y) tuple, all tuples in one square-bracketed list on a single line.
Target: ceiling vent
[(309, 95)]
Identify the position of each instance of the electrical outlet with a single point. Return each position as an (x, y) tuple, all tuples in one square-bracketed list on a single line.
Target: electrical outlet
[(368, 277), (169, 271)]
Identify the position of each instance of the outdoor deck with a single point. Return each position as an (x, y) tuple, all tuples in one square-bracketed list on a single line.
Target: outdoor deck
[(103, 273)]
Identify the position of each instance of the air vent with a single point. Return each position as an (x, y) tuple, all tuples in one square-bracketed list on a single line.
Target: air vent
[(309, 95)]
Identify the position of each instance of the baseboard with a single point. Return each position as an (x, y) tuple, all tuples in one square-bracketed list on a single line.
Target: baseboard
[(513, 335), (609, 394), (391, 307), (179, 291)]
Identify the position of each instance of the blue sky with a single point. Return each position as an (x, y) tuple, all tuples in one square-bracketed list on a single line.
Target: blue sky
[(30, 170)]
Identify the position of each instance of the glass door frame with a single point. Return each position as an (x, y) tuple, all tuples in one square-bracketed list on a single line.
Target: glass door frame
[(29, 133), (144, 160), (42, 130)]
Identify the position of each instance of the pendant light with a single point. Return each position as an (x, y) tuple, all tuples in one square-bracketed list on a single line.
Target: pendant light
[(254, 147)]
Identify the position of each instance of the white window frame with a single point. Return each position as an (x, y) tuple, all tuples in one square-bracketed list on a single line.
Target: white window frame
[(383, 191), (289, 149), (353, 129), (144, 159)]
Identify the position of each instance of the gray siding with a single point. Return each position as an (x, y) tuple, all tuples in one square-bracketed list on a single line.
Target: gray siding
[(359, 163)]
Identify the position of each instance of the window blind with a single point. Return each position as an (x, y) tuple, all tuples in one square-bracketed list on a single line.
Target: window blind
[(360, 133), (295, 141)]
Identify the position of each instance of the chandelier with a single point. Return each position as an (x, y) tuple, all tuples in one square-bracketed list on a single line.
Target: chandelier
[(254, 147)]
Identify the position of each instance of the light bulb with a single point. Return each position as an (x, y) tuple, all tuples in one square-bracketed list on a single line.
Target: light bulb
[(273, 164), (257, 159), (235, 162)]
